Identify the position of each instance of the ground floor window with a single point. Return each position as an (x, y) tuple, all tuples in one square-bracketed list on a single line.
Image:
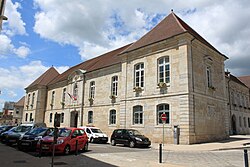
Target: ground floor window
[(62, 117), (26, 117), (31, 117), (163, 109), (90, 117), (112, 117), (50, 117), (137, 115)]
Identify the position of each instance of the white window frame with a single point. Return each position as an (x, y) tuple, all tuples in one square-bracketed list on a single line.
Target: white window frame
[(139, 74), (138, 115), (92, 90), (114, 85), (112, 117), (163, 69), (164, 110)]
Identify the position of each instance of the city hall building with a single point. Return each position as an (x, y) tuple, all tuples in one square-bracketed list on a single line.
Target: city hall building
[(171, 70)]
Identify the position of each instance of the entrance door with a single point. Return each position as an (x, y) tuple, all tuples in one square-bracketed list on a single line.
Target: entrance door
[(73, 119), (234, 125)]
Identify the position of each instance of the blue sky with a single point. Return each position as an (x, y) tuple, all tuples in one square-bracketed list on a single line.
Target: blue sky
[(42, 33)]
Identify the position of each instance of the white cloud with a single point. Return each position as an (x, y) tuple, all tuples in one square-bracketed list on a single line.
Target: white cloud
[(21, 77), (22, 51), (7, 48), (15, 24), (111, 24)]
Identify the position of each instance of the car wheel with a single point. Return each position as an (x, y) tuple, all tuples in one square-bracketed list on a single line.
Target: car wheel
[(113, 142), (86, 147), (131, 144), (67, 150)]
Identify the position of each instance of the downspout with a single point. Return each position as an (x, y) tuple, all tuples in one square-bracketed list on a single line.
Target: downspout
[(83, 93), (193, 82), (126, 91)]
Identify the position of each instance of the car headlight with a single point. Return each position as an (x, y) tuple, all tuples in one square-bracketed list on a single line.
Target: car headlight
[(138, 139), (59, 141), (21, 137)]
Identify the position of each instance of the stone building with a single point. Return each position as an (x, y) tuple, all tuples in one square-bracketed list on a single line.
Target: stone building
[(18, 111), (36, 97), (171, 70)]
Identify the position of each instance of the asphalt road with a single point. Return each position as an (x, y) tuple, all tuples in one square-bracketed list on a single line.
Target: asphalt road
[(11, 157)]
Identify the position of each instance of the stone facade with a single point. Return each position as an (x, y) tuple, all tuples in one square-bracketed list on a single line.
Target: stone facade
[(238, 105), (125, 89)]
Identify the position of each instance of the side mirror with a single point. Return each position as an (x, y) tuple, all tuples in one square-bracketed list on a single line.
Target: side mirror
[(73, 136)]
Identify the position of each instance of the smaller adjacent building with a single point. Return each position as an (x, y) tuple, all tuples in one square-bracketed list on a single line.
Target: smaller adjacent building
[(18, 111), (238, 105)]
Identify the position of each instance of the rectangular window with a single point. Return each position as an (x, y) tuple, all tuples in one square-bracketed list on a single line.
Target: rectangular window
[(112, 117), (33, 100), (26, 117), (31, 117), (163, 70), (114, 85), (62, 117), (64, 95), (139, 75), (50, 117), (209, 78), (137, 115), (90, 117), (92, 90)]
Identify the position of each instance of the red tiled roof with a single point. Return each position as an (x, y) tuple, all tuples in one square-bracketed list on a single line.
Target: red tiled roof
[(245, 80), (171, 26), (99, 62), (20, 102), (235, 79), (45, 78)]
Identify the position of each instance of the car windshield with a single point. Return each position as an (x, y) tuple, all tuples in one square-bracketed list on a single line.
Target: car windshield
[(134, 132), (62, 132), (37, 131), (23, 128), (96, 131)]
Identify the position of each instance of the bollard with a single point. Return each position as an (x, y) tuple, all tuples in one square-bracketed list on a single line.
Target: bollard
[(160, 153), (76, 147), (246, 158)]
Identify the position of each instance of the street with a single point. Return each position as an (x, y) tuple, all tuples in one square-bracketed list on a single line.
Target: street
[(105, 155)]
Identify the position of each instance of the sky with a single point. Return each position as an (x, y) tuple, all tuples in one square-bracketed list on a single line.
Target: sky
[(44, 33)]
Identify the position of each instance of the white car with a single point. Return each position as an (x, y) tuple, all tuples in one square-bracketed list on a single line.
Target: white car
[(95, 135)]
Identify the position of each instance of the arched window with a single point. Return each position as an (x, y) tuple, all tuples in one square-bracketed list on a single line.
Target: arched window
[(163, 109), (137, 115), (139, 75), (62, 117), (50, 117), (112, 117), (114, 85), (90, 117), (164, 70)]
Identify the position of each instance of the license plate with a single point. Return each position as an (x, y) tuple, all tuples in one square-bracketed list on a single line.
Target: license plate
[(25, 144), (45, 147), (12, 141), (103, 139)]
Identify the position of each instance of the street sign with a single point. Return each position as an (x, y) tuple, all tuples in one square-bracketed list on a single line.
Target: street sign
[(163, 117)]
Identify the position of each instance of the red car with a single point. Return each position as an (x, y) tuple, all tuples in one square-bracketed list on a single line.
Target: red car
[(66, 141)]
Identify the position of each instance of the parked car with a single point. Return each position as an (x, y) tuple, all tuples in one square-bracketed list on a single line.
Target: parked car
[(13, 138), (5, 128), (95, 135), (4, 134), (30, 139), (66, 141), (129, 137)]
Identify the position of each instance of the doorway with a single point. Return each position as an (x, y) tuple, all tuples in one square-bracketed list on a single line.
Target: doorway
[(73, 119), (234, 125)]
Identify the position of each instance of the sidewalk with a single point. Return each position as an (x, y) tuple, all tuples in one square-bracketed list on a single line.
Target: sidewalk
[(234, 142)]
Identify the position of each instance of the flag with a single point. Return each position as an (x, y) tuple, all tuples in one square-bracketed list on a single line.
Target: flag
[(72, 97)]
